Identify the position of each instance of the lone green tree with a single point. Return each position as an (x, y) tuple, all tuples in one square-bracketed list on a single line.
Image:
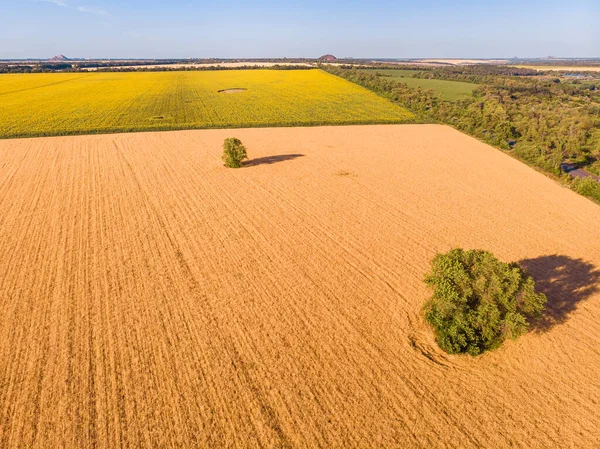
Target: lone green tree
[(479, 301), (233, 152)]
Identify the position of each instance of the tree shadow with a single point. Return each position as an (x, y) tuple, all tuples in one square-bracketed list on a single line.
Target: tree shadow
[(565, 282), (267, 160)]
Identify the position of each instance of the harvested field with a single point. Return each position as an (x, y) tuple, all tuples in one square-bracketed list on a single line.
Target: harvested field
[(561, 68), (152, 298), (465, 61)]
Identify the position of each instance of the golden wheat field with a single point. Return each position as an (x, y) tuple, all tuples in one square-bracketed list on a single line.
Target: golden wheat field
[(151, 298)]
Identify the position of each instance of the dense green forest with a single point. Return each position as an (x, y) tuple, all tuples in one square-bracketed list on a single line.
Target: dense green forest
[(546, 121)]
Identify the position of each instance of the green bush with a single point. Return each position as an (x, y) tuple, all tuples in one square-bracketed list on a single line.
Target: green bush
[(234, 153), (479, 301), (587, 187)]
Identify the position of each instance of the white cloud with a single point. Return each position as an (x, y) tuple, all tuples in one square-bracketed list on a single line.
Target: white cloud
[(91, 10), (56, 2)]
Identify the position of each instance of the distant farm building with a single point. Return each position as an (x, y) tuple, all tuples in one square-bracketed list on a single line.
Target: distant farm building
[(328, 58)]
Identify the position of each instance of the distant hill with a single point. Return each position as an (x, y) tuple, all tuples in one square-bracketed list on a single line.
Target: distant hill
[(59, 58), (328, 58)]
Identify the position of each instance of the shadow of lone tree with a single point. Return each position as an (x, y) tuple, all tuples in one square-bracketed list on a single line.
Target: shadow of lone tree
[(267, 160), (565, 282)]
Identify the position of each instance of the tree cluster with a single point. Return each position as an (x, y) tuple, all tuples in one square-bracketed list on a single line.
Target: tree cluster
[(478, 301)]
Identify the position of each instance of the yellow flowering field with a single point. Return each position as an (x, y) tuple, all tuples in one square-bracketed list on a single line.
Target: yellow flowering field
[(85, 103)]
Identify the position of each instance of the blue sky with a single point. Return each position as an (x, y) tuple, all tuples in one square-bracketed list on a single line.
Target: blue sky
[(268, 28)]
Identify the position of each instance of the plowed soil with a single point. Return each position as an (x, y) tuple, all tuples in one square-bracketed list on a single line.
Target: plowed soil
[(150, 297)]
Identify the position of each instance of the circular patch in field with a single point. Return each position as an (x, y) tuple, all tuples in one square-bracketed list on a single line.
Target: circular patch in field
[(233, 90)]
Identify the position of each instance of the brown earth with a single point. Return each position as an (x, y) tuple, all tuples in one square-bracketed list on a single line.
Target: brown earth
[(235, 90), (465, 61), (561, 68), (152, 298)]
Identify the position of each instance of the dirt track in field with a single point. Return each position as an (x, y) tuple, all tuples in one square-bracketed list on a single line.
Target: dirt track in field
[(150, 297)]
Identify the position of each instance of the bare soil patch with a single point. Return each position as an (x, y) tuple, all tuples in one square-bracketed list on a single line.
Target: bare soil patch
[(234, 90), (150, 297), (561, 68), (465, 61)]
